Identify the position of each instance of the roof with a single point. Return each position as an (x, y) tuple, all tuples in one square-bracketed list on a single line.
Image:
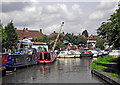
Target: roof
[(93, 37), (29, 33), (52, 34)]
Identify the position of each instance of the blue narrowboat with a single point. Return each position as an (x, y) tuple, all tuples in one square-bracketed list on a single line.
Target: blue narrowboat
[(29, 57)]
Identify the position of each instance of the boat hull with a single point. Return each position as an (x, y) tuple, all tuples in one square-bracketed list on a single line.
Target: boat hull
[(46, 57), (47, 61), (86, 55), (68, 56)]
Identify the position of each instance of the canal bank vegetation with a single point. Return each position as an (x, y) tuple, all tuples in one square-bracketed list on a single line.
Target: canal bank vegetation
[(107, 64)]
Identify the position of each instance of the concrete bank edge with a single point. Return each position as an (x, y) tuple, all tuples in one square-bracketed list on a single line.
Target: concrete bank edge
[(105, 76)]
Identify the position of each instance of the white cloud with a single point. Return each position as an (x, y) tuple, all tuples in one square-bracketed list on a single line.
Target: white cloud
[(103, 10), (97, 15), (105, 5), (49, 16), (52, 28)]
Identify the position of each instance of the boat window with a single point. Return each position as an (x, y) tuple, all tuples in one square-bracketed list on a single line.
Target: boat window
[(5, 57), (47, 56), (17, 59), (9, 57), (40, 56), (13, 60), (30, 58), (62, 52)]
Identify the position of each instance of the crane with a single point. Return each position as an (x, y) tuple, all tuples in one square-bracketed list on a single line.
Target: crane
[(57, 37)]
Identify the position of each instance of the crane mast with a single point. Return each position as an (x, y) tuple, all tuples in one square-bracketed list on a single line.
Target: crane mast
[(57, 37)]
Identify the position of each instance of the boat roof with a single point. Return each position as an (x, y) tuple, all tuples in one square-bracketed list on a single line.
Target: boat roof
[(3, 53), (43, 52)]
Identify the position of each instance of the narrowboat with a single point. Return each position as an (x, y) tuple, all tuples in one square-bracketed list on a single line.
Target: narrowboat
[(2, 68), (13, 61), (46, 57)]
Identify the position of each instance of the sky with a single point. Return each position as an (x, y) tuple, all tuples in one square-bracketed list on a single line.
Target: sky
[(49, 14)]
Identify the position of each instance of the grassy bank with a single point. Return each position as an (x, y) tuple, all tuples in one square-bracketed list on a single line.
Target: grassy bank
[(101, 63)]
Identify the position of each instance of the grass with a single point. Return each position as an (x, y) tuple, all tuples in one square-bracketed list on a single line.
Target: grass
[(104, 60), (115, 75), (95, 66)]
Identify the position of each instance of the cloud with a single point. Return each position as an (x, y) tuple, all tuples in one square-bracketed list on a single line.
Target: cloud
[(106, 5), (48, 16), (8, 7), (103, 10), (52, 28), (97, 15)]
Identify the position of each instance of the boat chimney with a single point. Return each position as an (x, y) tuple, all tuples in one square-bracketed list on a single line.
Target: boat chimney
[(23, 29), (54, 31), (72, 34), (26, 28), (63, 33), (40, 30)]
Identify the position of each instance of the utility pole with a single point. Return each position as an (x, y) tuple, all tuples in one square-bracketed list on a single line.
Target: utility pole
[(57, 37)]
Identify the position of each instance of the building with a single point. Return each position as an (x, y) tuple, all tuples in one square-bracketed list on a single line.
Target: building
[(91, 40), (29, 34), (53, 34)]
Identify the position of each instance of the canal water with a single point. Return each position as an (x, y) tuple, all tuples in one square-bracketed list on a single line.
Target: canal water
[(68, 70)]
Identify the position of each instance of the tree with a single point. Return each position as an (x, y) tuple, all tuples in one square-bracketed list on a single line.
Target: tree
[(69, 38), (43, 38), (79, 39), (100, 43), (12, 37), (111, 30), (1, 27), (3, 37), (85, 33), (38, 39)]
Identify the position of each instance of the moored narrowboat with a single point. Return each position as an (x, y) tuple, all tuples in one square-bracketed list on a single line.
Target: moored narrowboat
[(12, 61), (46, 57)]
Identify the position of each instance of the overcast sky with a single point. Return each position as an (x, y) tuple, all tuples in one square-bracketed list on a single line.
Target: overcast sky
[(77, 15)]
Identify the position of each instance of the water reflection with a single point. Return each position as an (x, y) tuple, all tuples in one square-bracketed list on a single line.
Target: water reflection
[(68, 70)]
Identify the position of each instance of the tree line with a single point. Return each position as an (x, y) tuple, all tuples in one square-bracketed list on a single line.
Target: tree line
[(76, 40), (110, 30)]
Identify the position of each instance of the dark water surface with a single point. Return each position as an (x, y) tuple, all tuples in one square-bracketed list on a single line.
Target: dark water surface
[(68, 70)]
